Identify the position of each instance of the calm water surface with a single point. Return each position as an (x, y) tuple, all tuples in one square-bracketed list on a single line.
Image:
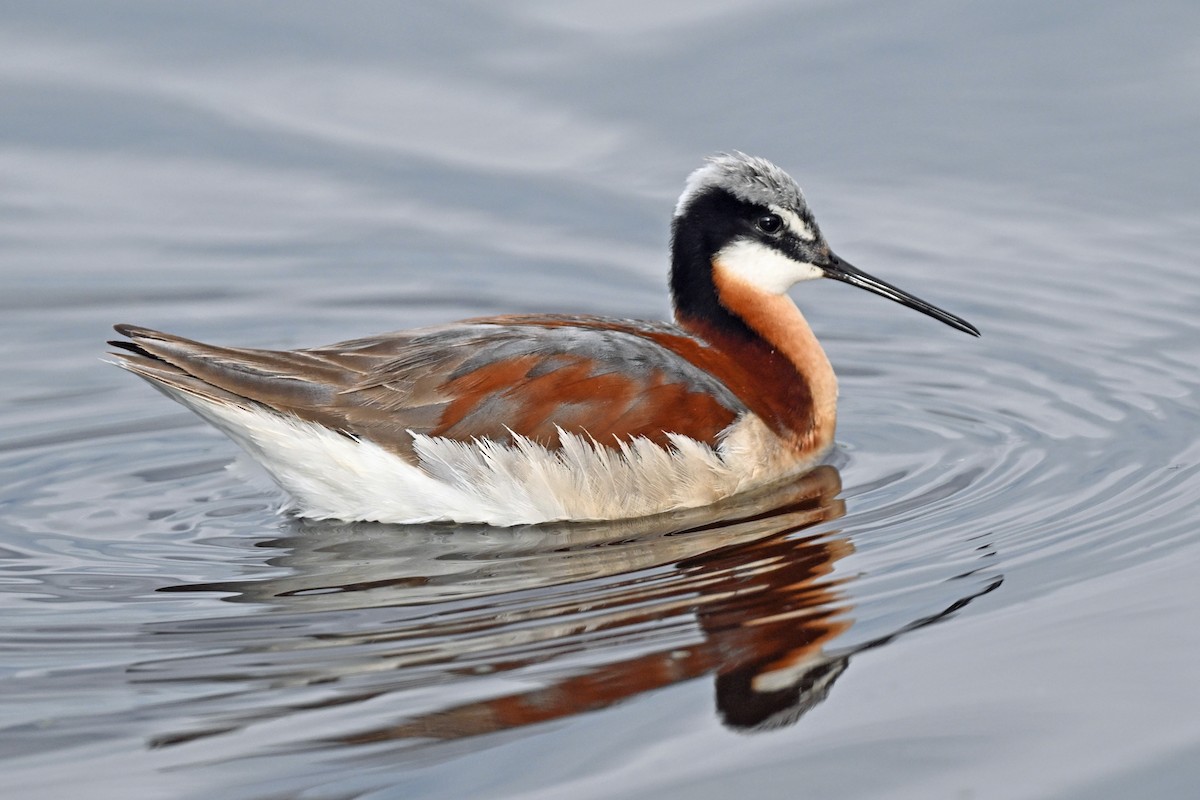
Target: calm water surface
[(988, 591)]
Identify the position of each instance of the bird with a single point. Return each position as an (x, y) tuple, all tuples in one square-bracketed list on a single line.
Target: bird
[(531, 418)]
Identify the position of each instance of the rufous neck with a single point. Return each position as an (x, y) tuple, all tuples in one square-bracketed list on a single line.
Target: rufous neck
[(778, 322)]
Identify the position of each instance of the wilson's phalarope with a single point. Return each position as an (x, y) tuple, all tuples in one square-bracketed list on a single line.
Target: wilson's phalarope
[(518, 419)]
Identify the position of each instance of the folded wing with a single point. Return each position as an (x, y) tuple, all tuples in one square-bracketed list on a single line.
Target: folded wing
[(487, 378)]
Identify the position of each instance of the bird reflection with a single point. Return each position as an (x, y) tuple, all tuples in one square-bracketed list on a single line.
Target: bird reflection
[(581, 616), (761, 605)]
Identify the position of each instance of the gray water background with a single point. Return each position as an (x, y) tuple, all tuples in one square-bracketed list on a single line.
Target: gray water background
[(1011, 564)]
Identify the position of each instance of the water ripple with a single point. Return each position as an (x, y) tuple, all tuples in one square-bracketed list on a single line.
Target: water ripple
[(967, 474)]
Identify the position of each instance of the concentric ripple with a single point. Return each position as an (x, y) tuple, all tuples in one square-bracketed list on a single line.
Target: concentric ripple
[(204, 630)]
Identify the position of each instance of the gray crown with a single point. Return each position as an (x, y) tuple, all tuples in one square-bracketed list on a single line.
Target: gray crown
[(754, 180)]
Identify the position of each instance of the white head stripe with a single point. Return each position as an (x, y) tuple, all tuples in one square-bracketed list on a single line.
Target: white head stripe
[(797, 225)]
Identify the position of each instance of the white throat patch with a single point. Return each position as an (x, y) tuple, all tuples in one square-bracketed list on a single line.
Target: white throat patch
[(763, 266)]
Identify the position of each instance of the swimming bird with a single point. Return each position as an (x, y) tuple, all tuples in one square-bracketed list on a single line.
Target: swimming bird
[(532, 418)]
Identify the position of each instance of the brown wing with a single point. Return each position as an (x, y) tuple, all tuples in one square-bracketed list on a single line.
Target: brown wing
[(486, 378)]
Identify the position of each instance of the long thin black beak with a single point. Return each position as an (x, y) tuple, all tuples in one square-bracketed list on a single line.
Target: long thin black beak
[(847, 273)]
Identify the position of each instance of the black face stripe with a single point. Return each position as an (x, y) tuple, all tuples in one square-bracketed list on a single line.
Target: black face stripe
[(712, 220)]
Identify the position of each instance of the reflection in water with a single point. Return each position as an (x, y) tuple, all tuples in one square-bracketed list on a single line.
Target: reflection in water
[(271, 173), (582, 615)]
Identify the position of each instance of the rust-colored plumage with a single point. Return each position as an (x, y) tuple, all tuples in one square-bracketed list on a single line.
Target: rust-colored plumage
[(538, 417), (488, 378)]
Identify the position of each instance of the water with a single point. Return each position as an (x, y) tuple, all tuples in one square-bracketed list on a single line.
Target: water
[(988, 592)]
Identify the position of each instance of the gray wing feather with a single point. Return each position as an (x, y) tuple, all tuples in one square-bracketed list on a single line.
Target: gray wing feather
[(385, 386)]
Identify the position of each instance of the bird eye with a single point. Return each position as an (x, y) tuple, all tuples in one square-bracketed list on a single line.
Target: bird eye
[(769, 223)]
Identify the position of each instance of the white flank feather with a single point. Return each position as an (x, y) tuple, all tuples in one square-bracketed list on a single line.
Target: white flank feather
[(334, 476)]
